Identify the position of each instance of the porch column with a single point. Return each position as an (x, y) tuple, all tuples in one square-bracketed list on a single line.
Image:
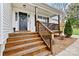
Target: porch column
[(59, 24), (47, 21), (35, 17)]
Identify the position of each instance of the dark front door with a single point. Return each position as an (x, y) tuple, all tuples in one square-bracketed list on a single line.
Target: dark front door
[(22, 21)]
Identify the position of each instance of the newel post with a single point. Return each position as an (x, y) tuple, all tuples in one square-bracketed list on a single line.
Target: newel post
[(52, 42)]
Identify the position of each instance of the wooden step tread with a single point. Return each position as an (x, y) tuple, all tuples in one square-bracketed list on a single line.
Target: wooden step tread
[(28, 51), (23, 45), (41, 52), (24, 36), (20, 42), (44, 53), (7, 53), (20, 38), (23, 32), (28, 39)]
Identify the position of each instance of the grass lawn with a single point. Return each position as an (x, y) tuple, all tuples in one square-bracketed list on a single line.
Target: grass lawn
[(75, 31)]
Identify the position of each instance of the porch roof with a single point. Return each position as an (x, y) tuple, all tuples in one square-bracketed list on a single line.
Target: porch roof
[(42, 8)]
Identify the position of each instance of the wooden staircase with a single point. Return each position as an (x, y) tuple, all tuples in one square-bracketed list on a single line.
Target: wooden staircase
[(25, 44)]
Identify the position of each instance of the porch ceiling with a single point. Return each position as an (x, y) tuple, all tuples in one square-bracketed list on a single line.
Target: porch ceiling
[(41, 8), (48, 8)]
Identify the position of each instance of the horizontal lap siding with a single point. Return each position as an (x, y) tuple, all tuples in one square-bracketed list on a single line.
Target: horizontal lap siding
[(7, 21), (0, 20), (5, 24), (0, 27)]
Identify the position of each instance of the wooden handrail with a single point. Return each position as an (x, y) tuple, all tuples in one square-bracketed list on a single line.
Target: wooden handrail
[(45, 27), (46, 34)]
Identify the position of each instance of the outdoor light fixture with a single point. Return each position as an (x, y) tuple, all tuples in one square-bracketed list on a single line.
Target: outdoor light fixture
[(24, 6)]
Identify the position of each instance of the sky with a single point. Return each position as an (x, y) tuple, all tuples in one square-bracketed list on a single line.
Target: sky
[(59, 6)]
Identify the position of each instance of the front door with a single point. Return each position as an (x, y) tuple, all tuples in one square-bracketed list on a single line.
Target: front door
[(22, 21)]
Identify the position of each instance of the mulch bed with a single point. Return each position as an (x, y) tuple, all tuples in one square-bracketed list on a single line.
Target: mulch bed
[(60, 45)]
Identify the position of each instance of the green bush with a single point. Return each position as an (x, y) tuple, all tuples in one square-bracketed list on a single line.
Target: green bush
[(68, 29)]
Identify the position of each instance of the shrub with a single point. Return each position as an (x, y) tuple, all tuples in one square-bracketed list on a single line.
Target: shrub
[(68, 28)]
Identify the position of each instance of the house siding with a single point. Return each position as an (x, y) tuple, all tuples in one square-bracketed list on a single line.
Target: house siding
[(0, 21), (6, 24), (6, 20), (0, 27)]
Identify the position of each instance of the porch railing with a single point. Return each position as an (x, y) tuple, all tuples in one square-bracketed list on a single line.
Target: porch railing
[(46, 34), (54, 27), (51, 26)]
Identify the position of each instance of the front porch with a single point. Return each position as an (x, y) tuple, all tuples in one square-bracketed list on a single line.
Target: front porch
[(34, 30), (31, 13), (23, 17)]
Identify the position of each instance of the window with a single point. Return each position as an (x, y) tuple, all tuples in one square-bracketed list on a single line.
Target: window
[(40, 17), (44, 17), (16, 16)]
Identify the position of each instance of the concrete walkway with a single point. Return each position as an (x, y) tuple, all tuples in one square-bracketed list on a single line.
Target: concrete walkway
[(72, 50)]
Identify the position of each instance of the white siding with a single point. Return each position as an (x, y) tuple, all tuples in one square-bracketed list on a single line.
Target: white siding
[(0, 27), (32, 28), (6, 24), (7, 21), (0, 20), (31, 23)]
